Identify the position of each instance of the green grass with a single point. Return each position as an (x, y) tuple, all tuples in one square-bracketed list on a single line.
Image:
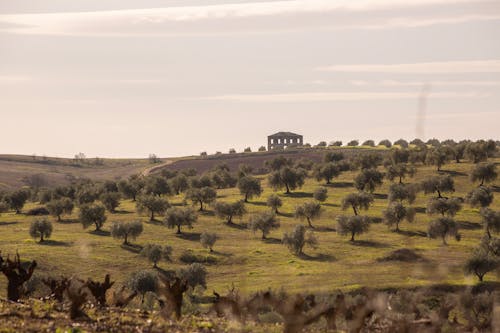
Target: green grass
[(252, 264)]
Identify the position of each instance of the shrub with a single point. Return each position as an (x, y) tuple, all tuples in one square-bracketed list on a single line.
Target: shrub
[(353, 143), (369, 143), (385, 143)]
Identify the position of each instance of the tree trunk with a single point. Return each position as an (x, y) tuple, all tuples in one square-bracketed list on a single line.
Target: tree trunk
[(352, 236), (97, 227), (230, 219), (152, 218), (488, 232), (125, 242), (246, 197), (178, 229), (201, 206), (41, 237), (444, 241), (355, 211), (287, 189), (263, 235), (58, 218), (309, 222)]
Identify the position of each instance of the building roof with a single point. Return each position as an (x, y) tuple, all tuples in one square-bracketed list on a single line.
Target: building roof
[(286, 134)]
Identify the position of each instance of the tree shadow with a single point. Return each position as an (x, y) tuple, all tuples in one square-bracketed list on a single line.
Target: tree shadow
[(256, 203), (134, 248), (100, 233), (495, 188), (299, 195), (376, 219), (330, 204), (285, 214), (69, 221), (469, 225), (271, 240), (453, 173), (207, 213), (8, 223), (168, 273), (122, 212), (320, 257), (341, 184), (410, 233), (421, 210), (192, 236), (324, 229), (366, 243), (51, 242), (222, 254), (382, 196), (155, 222), (236, 226)]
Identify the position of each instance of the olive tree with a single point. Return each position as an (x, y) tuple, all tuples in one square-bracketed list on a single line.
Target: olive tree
[(443, 227), (227, 210), (402, 192), (194, 274), (438, 184), (155, 253), (352, 225), (484, 172), (152, 205), (142, 282), (357, 201), (249, 187), (126, 230), (400, 171), (41, 228), (274, 201), (385, 143), (176, 217), (288, 178), (157, 185), (265, 222), (369, 143), (179, 183), (58, 207), (443, 206), (4, 207), (490, 220), (92, 214), (309, 211), (204, 195), (480, 197), (17, 199), (320, 194), (396, 212), (326, 171), (480, 263), (368, 179), (110, 200), (438, 157), (402, 143), (208, 239), (297, 239)]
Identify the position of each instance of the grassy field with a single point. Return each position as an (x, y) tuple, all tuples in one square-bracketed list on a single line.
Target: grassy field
[(252, 264)]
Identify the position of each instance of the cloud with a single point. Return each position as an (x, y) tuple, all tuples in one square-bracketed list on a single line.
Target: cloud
[(472, 66), (250, 17), (339, 96)]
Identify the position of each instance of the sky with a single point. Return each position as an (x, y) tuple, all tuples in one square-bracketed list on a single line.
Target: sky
[(123, 78)]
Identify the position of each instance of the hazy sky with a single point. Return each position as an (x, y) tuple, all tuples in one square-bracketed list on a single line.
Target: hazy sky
[(127, 78)]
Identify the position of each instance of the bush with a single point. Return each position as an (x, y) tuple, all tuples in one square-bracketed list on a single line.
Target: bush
[(37, 211), (188, 257), (353, 143), (41, 229), (385, 143), (369, 143)]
